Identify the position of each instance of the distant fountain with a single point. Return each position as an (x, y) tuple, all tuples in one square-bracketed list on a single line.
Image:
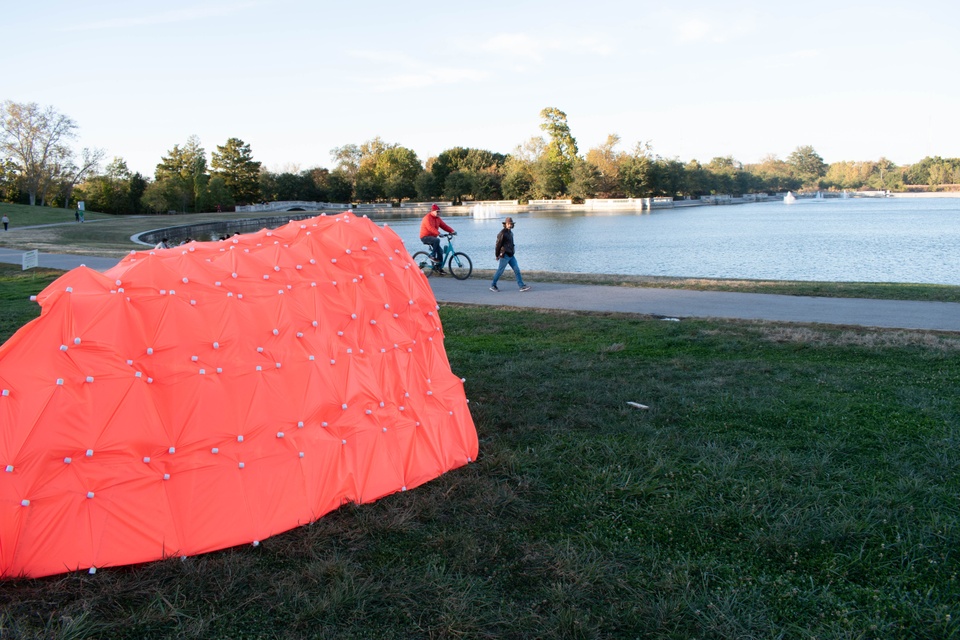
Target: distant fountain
[(789, 198), (486, 211)]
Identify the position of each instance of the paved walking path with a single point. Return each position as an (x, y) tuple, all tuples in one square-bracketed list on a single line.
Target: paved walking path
[(59, 260), (667, 303), (682, 303)]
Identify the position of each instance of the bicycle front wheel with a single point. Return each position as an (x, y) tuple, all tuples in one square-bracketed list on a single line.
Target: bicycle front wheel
[(460, 266), (422, 260)]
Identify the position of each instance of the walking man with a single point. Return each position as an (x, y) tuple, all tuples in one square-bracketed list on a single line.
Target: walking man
[(504, 252), (6, 222)]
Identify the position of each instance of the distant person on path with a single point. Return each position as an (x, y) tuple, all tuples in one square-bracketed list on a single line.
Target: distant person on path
[(6, 221), (430, 234), (504, 253), (80, 211), (76, 214)]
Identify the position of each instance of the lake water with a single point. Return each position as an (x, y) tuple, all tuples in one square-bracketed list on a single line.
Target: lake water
[(849, 240)]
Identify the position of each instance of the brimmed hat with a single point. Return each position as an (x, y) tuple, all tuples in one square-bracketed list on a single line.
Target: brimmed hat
[(509, 220)]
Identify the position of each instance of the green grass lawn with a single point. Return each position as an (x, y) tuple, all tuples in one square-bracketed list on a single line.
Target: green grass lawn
[(22, 215), (785, 482)]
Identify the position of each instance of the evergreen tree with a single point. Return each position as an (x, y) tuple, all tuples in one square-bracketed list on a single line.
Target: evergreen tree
[(183, 172), (240, 172)]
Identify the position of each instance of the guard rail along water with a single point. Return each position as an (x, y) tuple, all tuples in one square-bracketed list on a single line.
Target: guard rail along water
[(423, 205), (537, 205), (626, 204), (290, 205)]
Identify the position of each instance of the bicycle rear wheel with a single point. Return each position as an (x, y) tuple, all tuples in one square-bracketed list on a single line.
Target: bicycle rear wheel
[(423, 262), (460, 266)]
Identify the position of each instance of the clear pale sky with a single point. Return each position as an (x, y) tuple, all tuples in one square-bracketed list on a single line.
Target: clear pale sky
[(294, 79)]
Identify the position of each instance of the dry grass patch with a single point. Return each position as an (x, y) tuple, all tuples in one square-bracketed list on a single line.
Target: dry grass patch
[(871, 338)]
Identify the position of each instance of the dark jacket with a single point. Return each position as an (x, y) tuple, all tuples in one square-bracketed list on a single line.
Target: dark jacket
[(504, 244)]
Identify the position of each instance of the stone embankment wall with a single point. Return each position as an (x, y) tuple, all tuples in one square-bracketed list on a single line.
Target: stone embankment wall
[(205, 231)]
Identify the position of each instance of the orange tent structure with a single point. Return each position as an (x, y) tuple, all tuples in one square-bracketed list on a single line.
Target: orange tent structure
[(217, 393)]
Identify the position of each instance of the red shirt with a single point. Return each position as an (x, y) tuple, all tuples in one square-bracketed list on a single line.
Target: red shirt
[(431, 225)]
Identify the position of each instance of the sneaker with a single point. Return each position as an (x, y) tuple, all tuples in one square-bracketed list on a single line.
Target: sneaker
[(441, 272), (494, 289), (525, 287)]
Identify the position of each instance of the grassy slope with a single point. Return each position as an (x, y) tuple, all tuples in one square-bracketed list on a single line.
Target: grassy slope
[(23, 215), (785, 482)]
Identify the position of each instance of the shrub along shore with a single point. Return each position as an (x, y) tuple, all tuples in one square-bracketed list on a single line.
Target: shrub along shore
[(784, 481)]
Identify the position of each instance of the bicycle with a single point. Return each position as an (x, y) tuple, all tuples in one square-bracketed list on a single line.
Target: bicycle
[(458, 263)]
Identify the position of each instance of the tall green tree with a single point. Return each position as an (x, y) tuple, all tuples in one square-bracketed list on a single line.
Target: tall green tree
[(108, 192), (667, 177), (807, 166), (888, 176), (471, 161), (35, 140), (456, 185), (186, 167), (636, 173), (775, 174), (518, 178), (397, 170), (138, 186), (216, 195), (487, 184), (560, 153), (71, 174), (607, 161), (320, 179), (379, 169), (584, 180), (234, 163), (696, 179), (291, 185), (339, 187), (362, 161), (347, 160), (168, 194), (9, 181), (447, 162), (724, 175), (427, 188), (367, 186), (919, 172)]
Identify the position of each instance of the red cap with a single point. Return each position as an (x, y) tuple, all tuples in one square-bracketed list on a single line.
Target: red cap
[(434, 208)]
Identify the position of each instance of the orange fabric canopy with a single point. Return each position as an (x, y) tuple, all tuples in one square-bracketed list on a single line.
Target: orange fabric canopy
[(217, 393)]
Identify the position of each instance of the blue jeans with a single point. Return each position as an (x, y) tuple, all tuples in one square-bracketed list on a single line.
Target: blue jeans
[(434, 243), (512, 261)]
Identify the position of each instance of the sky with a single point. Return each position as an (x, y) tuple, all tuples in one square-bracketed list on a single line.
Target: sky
[(295, 79)]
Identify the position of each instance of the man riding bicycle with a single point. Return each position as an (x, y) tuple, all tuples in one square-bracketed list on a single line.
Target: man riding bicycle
[(430, 234)]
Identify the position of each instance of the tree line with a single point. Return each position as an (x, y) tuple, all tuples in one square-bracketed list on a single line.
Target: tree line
[(39, 167)]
